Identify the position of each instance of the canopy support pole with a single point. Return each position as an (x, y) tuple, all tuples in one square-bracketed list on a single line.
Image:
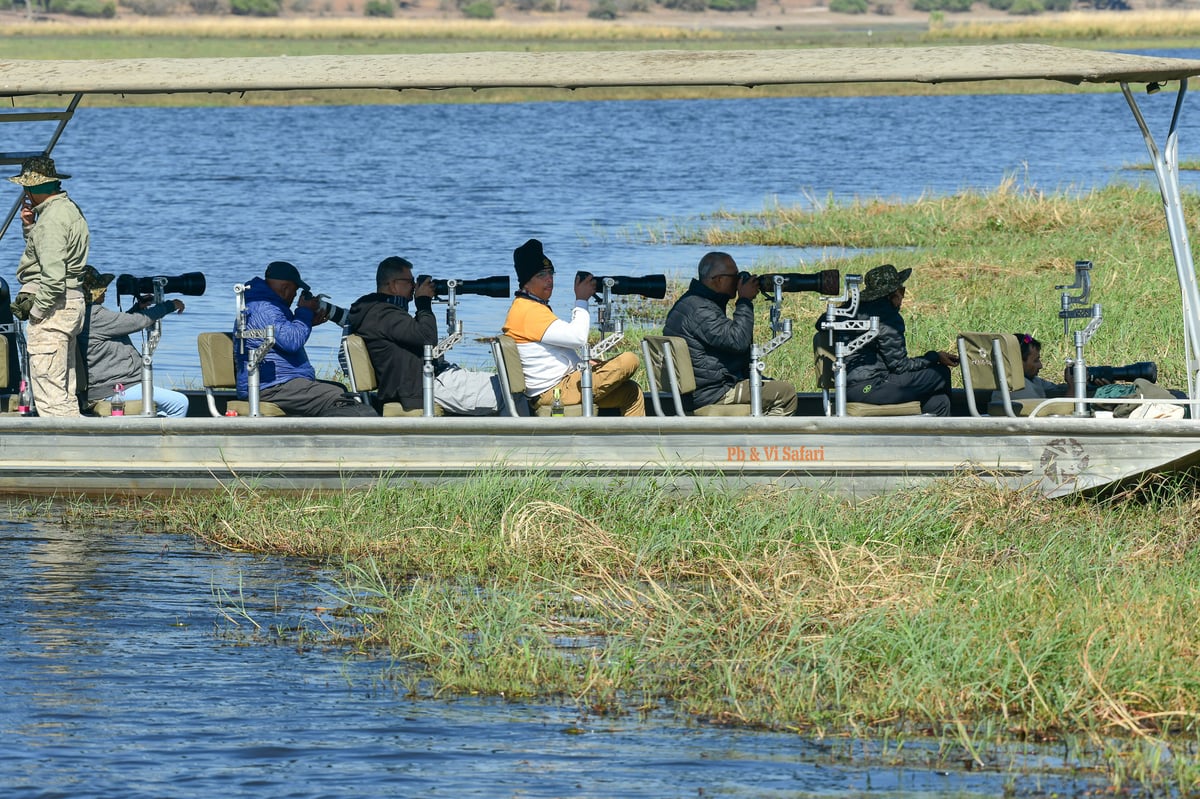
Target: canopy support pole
[(1166, 169)]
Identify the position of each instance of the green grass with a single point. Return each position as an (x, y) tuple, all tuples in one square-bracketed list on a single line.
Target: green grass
[(988, 261), (977, 616)]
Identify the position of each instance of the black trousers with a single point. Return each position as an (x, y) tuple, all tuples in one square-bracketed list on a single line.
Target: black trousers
[(930, 387), (303, 397)]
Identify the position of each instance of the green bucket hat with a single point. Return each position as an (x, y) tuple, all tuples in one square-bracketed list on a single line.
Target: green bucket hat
[(882, 281), (38, 170)]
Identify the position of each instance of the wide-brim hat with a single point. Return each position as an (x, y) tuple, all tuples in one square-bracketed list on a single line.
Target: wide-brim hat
[(882, 281), (38, 170), (95, 282)]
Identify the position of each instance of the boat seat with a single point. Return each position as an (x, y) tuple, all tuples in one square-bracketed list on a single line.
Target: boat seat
[(104, 408), (218, 373), (992, 362), (823, 360), (669, 365), (512, 378), (360, 373)]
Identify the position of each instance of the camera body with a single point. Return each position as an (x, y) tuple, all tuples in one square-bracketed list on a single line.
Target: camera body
[(494, 286), (1144, 370), (191, 284), (334, 313), (827, 282), (652, 287)]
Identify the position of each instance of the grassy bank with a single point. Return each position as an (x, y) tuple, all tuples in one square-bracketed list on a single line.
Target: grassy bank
[(984, 261), (979, 617)]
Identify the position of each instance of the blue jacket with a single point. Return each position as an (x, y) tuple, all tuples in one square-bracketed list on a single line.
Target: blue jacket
[(287, 360)]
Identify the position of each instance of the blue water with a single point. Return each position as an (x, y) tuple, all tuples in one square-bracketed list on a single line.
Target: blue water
[(140, 666), (455, 188)]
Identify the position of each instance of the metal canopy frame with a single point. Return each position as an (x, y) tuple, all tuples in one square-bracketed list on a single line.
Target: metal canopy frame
[(19, 78)]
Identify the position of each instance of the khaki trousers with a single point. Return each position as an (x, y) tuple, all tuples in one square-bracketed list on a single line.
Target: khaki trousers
[(50, 343), (778, 397), (611, 387)]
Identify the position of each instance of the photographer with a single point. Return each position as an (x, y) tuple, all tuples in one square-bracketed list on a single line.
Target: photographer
[(549, 346), (396, 341), (719, 345), (287, 378), (112, 357)]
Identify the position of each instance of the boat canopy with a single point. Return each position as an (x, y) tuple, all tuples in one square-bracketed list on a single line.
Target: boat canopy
[(572, 70)]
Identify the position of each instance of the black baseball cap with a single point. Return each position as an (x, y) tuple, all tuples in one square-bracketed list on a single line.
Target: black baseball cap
[(282, 270)]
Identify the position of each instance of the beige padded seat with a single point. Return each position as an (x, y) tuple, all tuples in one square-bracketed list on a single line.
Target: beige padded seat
[(512, 378), (104, 408), (360, 372), (823, 360), (668, 365), (218, 374)]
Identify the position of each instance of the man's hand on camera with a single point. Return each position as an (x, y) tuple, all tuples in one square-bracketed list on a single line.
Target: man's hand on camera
[(308, 301), (178, 306), (748, 288), (585, 287), (425, 289)]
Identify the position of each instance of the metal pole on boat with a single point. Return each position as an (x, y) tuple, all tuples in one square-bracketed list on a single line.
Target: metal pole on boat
[(585, 381), (1166, 170), (427, 382), (755, 380)]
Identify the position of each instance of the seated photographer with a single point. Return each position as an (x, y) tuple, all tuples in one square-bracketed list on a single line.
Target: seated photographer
[(1143, 376), (548, 346), (881, 373), (719, 345), (112, 357), (286, 377), (396, 341)]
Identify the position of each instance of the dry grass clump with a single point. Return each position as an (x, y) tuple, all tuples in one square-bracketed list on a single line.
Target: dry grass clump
[(1079, 25)]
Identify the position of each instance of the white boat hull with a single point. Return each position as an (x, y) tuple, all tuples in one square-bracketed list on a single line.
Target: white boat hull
[(851, 456)]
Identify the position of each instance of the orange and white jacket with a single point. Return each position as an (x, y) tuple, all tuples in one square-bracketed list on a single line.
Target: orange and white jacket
[(548, 345)]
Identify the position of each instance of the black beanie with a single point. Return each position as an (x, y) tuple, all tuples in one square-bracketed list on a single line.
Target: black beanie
[(529, 260)]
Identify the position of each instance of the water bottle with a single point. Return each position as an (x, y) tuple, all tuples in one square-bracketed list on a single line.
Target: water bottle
[(24, 400), (118, 401), (556, 407)]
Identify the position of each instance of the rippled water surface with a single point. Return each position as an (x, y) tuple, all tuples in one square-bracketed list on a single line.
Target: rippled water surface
[(456, 188), (130, 668)]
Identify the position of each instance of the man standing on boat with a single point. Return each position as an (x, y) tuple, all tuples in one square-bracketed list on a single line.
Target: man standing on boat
[(396, 341), (51, 277), (286, 377), (719, 345), (548, 346)]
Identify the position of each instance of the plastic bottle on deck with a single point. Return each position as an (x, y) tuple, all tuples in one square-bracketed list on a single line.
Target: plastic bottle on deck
[(118, 400), (556, 407), (24, 400)]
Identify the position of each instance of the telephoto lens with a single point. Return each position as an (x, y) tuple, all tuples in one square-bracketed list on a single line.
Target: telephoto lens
[(652, 287), (1142, 370), (190, 284), (494, 286), (827, 282)]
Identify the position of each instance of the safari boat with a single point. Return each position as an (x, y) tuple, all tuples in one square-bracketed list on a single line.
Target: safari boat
[(829, 449)]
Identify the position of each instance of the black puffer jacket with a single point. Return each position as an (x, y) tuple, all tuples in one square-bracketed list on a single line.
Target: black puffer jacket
[(887, 353), (396, 342), (719, 345)]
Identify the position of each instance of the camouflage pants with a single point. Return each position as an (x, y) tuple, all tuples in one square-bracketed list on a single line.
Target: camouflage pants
[(51, 347)]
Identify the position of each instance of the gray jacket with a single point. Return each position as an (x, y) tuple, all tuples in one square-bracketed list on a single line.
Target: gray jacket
[(719, 344), (112, 357)]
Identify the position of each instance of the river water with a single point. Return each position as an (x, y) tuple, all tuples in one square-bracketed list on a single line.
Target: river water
[(140, 665), (130, 665), (455, 188)]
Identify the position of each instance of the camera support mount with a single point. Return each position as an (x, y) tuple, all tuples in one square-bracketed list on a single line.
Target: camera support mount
[(782, 330), (613, 327), (150, 338), (1083, 281), (431, 352), (841, 320), (254, 357)]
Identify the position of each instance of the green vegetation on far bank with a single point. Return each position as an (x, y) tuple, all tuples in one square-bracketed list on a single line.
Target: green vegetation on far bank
[(979, 617)]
